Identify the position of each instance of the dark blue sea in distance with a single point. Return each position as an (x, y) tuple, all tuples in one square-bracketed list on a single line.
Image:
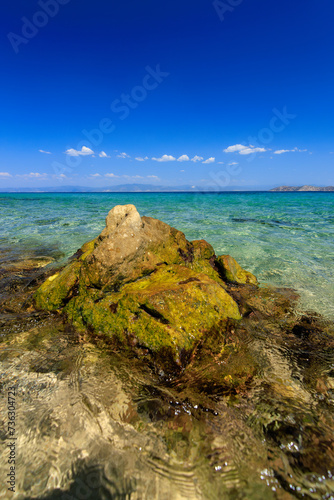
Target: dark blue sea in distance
[(285, 239)]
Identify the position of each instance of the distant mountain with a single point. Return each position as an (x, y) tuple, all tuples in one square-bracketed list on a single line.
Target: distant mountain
[(123, 188), (132, 188), (126, 188), (302, 188)]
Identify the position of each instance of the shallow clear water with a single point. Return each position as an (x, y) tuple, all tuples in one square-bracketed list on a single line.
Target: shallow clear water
[(95, 424), (283, 238)]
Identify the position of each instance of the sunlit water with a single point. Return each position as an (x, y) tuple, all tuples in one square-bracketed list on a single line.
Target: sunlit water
[(93, 425), (283, 238)]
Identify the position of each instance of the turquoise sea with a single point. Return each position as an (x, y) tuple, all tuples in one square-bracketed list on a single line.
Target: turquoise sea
[(100, 423), (286, 239)]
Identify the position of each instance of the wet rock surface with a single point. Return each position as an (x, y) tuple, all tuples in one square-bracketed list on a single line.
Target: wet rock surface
[(232, 272), (245, 412), (142, 284)]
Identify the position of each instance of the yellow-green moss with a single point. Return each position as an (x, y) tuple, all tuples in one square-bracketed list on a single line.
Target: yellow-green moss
[(172, 308), (87, 249), (202, 249), (233, 272), (55, 290), (169, 298)]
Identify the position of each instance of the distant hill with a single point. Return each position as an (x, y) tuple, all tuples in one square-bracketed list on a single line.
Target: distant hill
[(302, 188), (126, 188), (130, 188)]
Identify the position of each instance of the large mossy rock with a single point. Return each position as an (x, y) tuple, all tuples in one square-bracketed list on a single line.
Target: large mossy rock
[(141, 283), (171, 309)]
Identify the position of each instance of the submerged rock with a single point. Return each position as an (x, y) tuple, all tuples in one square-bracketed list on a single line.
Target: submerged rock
[(142, 284), (254, 401), (27, 263)]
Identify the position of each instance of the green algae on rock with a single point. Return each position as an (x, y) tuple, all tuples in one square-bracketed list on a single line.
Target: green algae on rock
[(140, 282), (237, 407), (233, 272), (170, 309)]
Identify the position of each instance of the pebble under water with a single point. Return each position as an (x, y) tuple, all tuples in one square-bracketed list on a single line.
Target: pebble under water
[(93, 424)]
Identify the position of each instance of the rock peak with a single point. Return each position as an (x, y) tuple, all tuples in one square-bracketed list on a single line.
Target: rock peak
[(121, 215)]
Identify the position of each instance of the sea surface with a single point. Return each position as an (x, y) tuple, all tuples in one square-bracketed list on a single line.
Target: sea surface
[(285, 239), (94, 423)]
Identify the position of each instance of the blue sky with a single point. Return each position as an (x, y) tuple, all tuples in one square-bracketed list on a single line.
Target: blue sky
[(224, 93)]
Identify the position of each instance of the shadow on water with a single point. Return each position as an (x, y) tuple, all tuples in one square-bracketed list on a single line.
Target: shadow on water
[(90, 482), (268, 222)]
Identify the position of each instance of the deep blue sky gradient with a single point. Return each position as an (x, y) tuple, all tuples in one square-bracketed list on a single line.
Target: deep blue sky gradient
[(225, 78)]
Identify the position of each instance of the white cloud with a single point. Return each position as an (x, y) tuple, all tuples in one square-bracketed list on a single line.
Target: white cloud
[(181, 170), (152, 177), (209, 160), (220, 162), (111, 175), (251, 150), (5, 174), (139, 158), (36, 174), (95, 175), (183, 158), (294, 150), (103, 155), (46, 152), (281, 151), (165, 158), (235, 149), (123, 155), (197, 158), (233, 163), (83, 152), (244, 150), (60, 177)]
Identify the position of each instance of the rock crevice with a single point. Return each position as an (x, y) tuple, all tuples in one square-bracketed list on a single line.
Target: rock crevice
[(141, 277)]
